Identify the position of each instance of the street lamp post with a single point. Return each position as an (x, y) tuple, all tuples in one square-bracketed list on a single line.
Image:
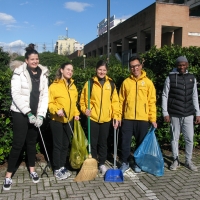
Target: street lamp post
[(108, 29), (84, 60)]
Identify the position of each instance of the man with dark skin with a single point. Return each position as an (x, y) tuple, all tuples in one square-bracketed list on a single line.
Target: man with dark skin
[(179, 105)]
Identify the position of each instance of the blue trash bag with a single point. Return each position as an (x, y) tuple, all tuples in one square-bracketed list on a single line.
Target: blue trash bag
[(148, 155)]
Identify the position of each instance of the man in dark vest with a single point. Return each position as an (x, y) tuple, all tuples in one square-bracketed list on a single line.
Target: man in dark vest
[(179, 105)]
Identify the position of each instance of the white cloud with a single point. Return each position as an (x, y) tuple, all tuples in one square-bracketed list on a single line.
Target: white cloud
[(6, 19), (77, 6), (58, 23), (21, 4), (9, 26), (17, 46)]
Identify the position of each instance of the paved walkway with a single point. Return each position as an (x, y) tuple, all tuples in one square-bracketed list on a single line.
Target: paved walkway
[(180, 184)]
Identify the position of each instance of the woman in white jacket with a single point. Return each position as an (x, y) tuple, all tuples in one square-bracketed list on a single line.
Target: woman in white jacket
[(29, 90)]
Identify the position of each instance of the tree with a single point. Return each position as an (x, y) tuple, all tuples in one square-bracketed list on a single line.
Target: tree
[(4, 59)]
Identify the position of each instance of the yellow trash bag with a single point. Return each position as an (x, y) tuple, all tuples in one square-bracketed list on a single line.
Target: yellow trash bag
[(78, 151)]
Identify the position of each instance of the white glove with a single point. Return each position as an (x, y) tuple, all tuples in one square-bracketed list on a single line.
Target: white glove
[(32, 118), (39, 121)]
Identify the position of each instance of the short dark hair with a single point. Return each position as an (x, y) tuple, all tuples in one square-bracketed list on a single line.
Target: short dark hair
[(30, 50), (132, 58), (101, 63)]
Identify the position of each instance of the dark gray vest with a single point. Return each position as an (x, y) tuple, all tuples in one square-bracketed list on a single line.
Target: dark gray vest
[(180, 101)]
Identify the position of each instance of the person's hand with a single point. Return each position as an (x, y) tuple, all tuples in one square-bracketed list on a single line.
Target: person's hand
[(197, 121), (154, 124), (60, 113), (76, 118), (88, 112), (167, 119), (39, 121), (32, 118), (115, 123)]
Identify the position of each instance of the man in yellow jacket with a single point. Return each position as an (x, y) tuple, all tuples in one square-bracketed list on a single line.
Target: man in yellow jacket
[(137, 97)]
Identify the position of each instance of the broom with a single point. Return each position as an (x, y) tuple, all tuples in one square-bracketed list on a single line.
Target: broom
[(89, 168)]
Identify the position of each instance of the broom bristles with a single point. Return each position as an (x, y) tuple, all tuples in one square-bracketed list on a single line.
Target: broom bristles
[(88, 171)]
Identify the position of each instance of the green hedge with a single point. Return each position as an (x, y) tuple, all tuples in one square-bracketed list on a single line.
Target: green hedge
[(157, 63)]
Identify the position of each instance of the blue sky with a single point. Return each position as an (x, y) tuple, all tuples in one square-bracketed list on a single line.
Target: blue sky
[(42, 21)]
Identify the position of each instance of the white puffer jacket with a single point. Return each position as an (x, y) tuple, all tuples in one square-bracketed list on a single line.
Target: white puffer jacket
[(21, 87)]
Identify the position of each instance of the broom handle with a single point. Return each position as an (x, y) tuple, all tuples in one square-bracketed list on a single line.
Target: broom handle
[(89, 145), (115, 148)]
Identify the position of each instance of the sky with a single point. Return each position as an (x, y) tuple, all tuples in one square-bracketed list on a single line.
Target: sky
[(42, 21)]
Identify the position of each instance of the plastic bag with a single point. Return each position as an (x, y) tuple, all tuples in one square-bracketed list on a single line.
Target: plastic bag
[(78, 151), (148, 155)]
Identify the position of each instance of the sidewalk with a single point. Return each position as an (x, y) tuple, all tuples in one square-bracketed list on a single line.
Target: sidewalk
[(180, 184)]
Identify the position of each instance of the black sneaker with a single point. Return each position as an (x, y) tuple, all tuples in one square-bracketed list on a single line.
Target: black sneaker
[(7, 183), (35, 177)]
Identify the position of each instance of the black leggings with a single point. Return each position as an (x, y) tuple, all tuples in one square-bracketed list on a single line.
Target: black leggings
[(99, 136), (61, 133), (23, 132)]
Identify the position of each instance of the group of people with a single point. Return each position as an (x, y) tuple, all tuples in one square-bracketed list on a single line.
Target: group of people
[(133, 108)]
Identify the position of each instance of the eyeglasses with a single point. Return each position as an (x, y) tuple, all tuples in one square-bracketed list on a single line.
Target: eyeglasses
[(134, 66)]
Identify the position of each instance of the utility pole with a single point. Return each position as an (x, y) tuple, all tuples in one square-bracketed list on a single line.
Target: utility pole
[(108, 30), (44, 47)]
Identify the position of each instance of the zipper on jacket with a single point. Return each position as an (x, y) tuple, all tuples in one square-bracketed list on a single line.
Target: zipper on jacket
[(70, 102), (184, 90), (101, 103), (136, 99)]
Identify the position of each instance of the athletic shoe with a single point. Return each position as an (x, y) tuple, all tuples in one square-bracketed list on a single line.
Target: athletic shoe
[(59, 175), (34, 176), (191, 166), (174, 165), (124, 167), (7, 183), (103, 169), (65, 171), (136, 169)]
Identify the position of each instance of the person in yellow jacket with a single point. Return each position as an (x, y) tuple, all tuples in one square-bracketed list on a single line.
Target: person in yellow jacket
[(63, 97), (137, 97), (104, 106)]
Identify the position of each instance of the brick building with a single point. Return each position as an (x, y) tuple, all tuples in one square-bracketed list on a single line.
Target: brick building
[(161, 23)]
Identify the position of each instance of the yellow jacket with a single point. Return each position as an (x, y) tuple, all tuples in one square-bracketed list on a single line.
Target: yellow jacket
[(103, 106), (137, 99), (63, 96)]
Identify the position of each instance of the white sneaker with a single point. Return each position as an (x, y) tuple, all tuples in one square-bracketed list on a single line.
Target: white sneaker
[(34, 176), (65, 171), (59, 175), (174, 165), (190, 165), (7, 184), (103, 169)]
